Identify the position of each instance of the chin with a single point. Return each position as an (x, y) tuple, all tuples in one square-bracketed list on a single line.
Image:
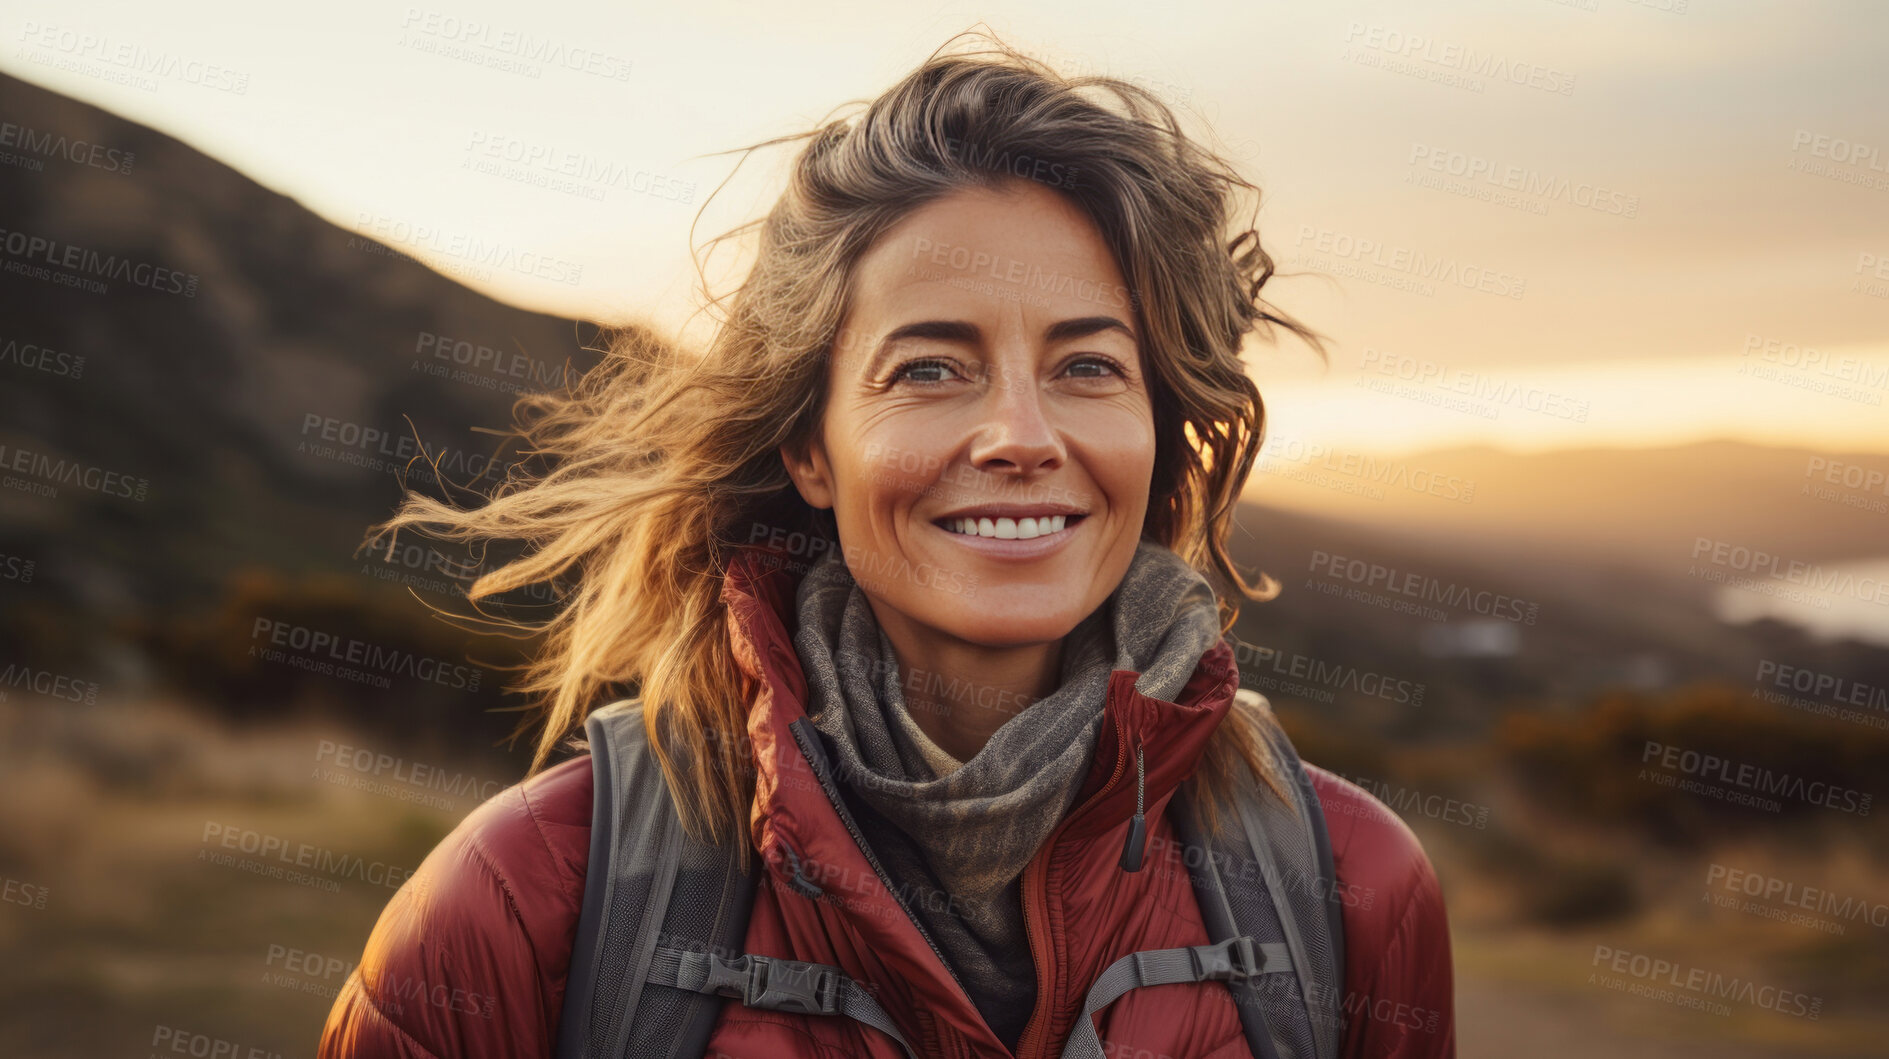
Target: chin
[(1011, 618)]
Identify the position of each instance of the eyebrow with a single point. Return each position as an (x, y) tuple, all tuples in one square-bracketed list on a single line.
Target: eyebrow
[(966, 332)]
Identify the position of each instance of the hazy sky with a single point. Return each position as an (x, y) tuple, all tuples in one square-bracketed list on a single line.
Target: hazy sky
[(1543, 223)]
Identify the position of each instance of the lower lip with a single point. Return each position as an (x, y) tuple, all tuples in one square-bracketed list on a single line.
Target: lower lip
[(999, 548)]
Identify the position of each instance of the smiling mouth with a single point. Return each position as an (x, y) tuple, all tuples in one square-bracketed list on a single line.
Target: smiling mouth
[(1009, 528)]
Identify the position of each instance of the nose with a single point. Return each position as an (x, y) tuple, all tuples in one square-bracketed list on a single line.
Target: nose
[(1016, 434)]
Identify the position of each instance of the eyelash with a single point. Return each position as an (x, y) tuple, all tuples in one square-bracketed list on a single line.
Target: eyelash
[(925, 362)]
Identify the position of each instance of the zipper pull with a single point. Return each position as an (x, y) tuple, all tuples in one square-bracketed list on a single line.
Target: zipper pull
[(1137, 827)]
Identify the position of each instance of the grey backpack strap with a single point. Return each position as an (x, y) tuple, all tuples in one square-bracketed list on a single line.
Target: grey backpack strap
[(664, 921), (1269, 877), (1232, 959), (648, 885), (777, 984)]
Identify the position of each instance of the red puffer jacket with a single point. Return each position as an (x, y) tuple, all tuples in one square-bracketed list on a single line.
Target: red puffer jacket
[(469, 957)]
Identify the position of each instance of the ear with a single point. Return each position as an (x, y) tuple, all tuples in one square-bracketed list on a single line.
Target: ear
[(812, 474)]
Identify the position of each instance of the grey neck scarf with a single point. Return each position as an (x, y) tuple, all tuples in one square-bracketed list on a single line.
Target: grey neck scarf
[(955, 836)]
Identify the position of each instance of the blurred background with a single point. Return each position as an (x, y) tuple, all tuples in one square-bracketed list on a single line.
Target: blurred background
[(1582, 528)]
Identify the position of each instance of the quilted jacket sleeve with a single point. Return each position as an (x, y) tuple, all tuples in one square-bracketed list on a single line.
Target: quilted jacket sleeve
[(469, 957), (1399, 993)]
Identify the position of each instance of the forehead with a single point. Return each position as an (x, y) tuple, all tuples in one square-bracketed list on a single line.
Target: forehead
[(979, 254)]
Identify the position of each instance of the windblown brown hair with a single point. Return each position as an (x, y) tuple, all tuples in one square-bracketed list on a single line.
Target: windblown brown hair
[(658, 463)]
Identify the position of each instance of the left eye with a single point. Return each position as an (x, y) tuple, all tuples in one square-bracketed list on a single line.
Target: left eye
[(1104, 363)]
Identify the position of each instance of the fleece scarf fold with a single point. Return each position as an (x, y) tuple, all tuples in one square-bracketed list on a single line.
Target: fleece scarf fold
[(955, 835)]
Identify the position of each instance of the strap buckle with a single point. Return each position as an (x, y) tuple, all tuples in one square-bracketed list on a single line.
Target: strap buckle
[(1232, 958), (776, 984)]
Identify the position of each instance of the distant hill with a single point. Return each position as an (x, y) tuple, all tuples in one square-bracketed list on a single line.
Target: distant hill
[(203, 446), (258, 392), (1642, 508), (1599, 540)]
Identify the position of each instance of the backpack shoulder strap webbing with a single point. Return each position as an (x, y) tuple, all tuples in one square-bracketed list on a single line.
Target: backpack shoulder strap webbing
[(648, 885), (1268, 875), (665, 917)]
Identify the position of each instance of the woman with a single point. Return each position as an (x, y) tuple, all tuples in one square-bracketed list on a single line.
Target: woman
[(945, 482)]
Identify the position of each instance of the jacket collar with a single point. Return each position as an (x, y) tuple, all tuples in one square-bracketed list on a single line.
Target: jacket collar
[(789, 803), (851, 919)]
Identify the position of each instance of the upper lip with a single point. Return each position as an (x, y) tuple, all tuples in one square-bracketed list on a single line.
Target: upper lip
[(1013, 511)]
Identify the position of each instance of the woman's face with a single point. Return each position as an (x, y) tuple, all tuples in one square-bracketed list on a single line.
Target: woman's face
[(987, 378)]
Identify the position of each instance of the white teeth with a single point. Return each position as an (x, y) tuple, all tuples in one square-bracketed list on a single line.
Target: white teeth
[(1009, 529)]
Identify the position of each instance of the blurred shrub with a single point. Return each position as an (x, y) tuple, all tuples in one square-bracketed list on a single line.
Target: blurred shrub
[(1599, 764), (1579, 892), (221, 658)]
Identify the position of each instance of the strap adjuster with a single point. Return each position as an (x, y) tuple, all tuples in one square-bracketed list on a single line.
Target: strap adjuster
[(1229, 959), (776, 984)]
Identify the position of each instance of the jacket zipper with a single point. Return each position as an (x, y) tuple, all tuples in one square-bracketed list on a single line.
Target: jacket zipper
[(1038, 1018), (852, 828)]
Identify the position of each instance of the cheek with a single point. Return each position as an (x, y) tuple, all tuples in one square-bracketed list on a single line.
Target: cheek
[(1122, 445), (879, 468)]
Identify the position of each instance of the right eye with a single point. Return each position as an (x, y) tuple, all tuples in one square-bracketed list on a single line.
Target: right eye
[(922, 365)]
